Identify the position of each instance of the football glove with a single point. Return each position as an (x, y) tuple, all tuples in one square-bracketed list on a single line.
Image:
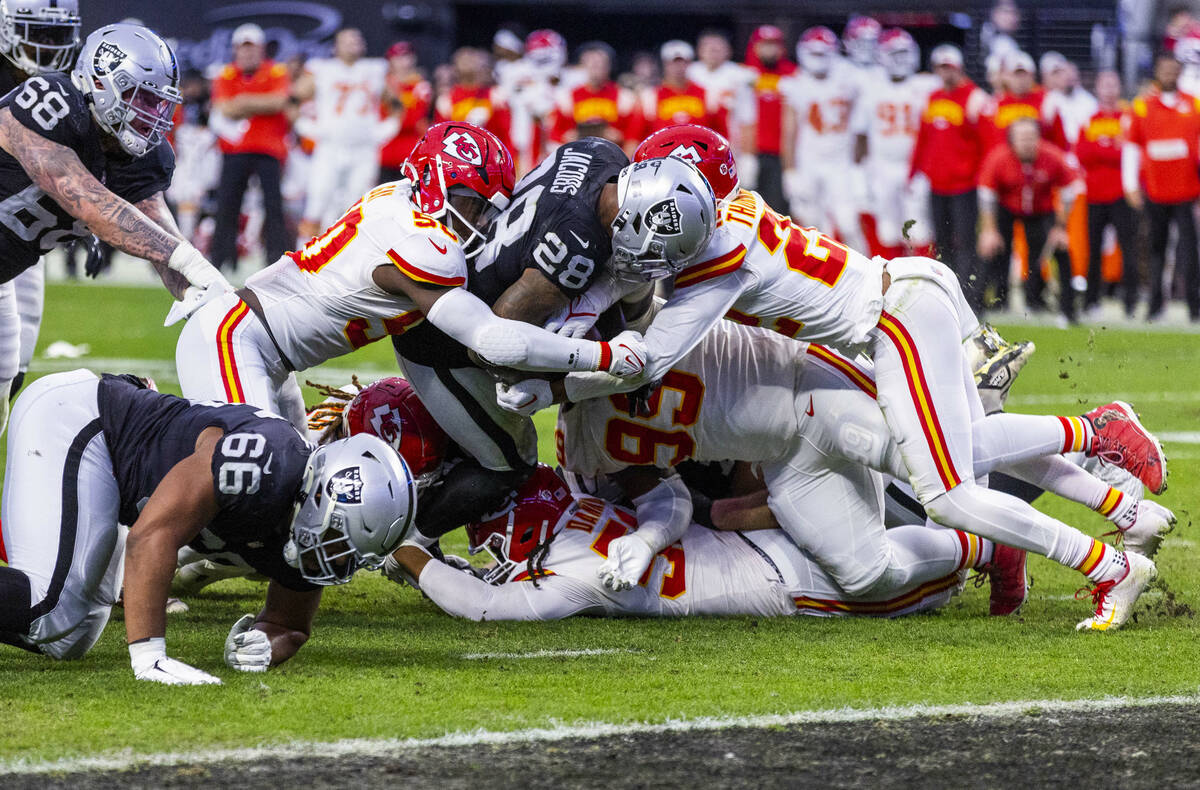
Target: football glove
[(628, 558), (246, 648), (150, 662), (628, 354), (193, 299), (524, 397), (94, 263)]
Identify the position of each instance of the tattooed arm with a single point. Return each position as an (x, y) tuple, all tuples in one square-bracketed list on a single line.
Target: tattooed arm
[(58, 172), (155, 208)]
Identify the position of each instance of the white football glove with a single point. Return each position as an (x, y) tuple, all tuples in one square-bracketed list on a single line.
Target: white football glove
[(150, 662), (575, 319), (628, 558), (628, 354), (396, 572), (193, 299), (246, 648), (524, 397)]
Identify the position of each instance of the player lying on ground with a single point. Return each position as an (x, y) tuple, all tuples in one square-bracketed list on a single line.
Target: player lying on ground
[(909, 316), (549, 246), (550, 547), (87, 153), (396, 258), (88, 454)]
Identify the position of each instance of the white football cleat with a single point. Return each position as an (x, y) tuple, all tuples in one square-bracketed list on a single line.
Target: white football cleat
[(1115, 599), (1151, 523)]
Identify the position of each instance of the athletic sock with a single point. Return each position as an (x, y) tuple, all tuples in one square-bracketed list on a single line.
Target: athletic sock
[(975, 552), (1077, 434), (1101, 562), (1118, 508)]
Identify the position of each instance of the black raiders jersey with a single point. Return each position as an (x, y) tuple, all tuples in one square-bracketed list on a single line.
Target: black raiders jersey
[(550, 225), (257, 467), (31, 222)]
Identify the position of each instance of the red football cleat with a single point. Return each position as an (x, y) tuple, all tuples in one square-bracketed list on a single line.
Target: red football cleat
[(1122, 441), (1006, 572)]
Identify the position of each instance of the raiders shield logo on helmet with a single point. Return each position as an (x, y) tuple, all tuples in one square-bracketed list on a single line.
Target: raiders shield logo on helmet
[(462, 146), (346, 486), (664, 219), (108, 56)]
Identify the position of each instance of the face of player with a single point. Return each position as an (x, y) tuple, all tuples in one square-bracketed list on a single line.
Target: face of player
[(1024, 137), (349, 45), (713, 51), (403, 64), (1166, 73), (769, 52), (596, 66), (1056, 79), (1108, 88), (948, 74), (248, 56), (675, 70), (1020, 82)]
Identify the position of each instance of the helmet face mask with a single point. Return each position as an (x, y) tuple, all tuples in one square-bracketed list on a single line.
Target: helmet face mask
[(529, 518), (131, 80), (665, 218), (356, 503), (898, 54), (41, 36)]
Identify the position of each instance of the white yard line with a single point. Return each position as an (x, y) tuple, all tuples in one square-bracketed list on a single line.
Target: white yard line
[(386, 747), (602, 651)]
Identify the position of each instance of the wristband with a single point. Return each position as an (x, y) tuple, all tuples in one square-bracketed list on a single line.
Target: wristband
[(144, 653), (188, 261), (605, 357)]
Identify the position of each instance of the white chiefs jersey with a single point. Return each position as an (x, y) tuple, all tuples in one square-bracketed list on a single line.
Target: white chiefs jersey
[(728, 87), (322, 301), (730, 397), (824, 109), (705, 572), (889, 114), (801, 283), (346, 99)]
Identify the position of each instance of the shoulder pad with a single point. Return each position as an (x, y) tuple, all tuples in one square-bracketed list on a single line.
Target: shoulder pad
[(725, 254)]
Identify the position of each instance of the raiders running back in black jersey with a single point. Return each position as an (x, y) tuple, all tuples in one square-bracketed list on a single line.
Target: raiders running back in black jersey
[(31, 222), (550, 225), (257, 468)]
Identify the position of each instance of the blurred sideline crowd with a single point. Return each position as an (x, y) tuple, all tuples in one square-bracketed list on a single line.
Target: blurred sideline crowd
[(1034, 179)]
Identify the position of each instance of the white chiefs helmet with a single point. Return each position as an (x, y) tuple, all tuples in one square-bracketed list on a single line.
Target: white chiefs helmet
[(898, 53), (357, 502), (666, 216), (817, 50), (131, 80), (39, 36)]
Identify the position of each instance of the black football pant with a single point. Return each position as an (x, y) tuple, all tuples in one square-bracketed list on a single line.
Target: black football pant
[(1187, 260), (1124, 222), (770, 181), (236, 170), (1037, 229), (955, 218)]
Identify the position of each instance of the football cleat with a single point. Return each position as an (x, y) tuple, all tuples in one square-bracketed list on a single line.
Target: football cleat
[(1009, 582), (1115, 599), (1151, 523), (1114, 476), (985, 342), (995, 377), (1122, 441)]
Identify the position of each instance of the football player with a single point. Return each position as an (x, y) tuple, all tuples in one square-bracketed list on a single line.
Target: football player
[(550, 547), (818, 145), (346, 90), (910, 317), (396, 258), (88, 454), (886, 121), (87, 152)]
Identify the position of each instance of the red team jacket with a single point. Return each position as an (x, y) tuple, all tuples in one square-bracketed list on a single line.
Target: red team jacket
[(1168, 138), (950, 145), (1026, 190), (1099, 153)]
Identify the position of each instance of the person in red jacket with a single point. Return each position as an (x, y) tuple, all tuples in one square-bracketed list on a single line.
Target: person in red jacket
[(1024, 98), (948, 152), (1099, 153), (599, 107), (1020, 180), (678, 100), (407, 98), (1161, 153), (473, 98), (764, 138)]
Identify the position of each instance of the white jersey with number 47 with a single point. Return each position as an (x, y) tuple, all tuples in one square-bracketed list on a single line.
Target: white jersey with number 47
[(322, 301)]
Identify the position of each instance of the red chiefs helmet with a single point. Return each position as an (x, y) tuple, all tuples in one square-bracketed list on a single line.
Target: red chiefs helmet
[(816, 50), (898, 53), (546, 49), (462, 170), (860, 38), (391, 410), (530, 517), (708, 151)]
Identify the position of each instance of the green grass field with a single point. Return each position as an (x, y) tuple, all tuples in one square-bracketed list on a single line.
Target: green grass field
[(383, 662)]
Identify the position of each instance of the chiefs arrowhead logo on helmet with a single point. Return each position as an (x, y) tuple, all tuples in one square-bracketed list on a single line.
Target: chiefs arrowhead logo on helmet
[(391, 410), (460, 145), (386, 424), (688, 153)]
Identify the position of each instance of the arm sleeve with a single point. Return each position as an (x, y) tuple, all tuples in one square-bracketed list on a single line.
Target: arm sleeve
[(1131, 166), (462, 595), (515, 344), (664, 513)]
